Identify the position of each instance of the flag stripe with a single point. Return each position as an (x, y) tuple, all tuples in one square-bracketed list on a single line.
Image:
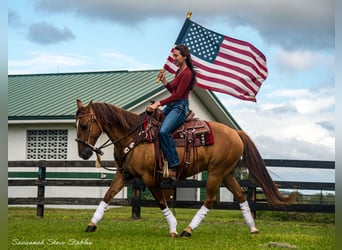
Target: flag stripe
[(214, 81), (244, 57), (224, 75), (208, 86), (246, 45), (241, 66), (240, 70)]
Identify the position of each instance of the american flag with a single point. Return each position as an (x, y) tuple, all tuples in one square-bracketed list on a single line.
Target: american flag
[(222, 63)]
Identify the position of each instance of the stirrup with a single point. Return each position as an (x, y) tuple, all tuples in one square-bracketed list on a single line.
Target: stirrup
[(166, 170)]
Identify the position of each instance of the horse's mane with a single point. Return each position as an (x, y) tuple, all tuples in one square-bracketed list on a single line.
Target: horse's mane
[(110, 115)]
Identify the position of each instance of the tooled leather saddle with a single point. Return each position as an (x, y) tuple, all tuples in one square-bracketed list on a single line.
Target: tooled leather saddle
[(193, 133)]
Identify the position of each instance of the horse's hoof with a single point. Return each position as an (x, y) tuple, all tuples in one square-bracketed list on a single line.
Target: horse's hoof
[(254, 230), (90, 229), (173, 234), (185, 234)]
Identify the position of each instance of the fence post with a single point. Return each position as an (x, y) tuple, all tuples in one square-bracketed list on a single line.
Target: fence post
[(41, 190), (136, 195)]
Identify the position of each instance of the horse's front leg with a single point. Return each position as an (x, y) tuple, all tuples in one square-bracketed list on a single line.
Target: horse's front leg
[(117, 184), (171, 220)]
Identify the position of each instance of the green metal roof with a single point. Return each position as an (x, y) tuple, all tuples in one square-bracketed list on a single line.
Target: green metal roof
[(53, 96)]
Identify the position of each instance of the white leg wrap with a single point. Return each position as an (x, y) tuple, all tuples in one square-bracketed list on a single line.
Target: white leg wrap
[(99, 213), (201, 213), (171, 220), (246, 212)]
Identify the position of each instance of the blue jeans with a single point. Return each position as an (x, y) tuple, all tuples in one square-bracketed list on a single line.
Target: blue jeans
[(175, 114)]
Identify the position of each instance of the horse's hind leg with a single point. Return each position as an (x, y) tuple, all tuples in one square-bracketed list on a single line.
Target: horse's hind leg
[(213, 184), (117, 184), (233, 186)]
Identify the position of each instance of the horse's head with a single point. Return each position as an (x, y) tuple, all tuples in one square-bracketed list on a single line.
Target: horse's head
[(88, 129)]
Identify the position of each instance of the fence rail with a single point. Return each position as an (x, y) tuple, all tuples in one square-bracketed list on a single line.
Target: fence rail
[(135, 202)]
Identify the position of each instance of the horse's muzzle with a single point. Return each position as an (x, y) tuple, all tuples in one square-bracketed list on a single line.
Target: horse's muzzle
[(86, 153)]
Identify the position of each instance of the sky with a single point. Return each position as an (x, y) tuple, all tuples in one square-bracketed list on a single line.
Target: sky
[(293, 117)]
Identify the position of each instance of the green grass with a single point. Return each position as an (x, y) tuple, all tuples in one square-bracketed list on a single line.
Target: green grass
[(221, 229)]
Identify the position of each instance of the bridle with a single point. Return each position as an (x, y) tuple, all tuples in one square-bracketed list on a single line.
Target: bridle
[(98, 150), (93, 119)]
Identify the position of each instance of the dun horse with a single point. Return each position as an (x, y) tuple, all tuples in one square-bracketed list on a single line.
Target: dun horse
[(219, 159)]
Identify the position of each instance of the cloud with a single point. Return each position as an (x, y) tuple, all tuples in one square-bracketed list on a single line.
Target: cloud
[(14, 19), (326, 125), (118, 60), (41, 61), (290, 123), (290, 137), (302, 60), (273, 148), (294, 24), (307, 101), (45, 33), (284, 108), (297, 25)]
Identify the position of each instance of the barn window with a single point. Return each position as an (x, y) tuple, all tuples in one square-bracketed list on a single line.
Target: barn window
[(47, 144)]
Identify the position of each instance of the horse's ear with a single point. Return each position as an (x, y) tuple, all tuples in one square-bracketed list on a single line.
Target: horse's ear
[(90, 103), (79, 103)]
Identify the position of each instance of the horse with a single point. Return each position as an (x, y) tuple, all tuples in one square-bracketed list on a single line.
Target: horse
[(219, 160)]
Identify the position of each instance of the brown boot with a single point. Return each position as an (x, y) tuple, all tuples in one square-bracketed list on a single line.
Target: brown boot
[(172, 174)]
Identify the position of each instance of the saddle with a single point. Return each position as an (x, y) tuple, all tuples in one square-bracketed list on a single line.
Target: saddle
[(193, 133)]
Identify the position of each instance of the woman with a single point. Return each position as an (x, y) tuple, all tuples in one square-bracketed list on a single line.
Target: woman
[(177, 105)]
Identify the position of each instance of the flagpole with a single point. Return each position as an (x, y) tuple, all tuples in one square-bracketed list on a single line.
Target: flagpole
[(188, 15)]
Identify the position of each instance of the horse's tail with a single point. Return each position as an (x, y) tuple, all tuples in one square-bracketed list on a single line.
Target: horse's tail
[(259, 174)]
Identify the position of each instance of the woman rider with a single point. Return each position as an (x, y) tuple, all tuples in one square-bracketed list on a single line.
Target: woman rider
[(177, 105)]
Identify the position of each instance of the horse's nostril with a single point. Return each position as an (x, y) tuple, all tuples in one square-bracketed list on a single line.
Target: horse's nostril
[(85, 154)]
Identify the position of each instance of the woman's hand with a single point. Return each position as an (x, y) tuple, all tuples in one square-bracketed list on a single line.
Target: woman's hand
[(153, 106), (161, 76)]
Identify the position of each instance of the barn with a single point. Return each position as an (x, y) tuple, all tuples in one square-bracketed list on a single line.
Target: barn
[(41, 118)]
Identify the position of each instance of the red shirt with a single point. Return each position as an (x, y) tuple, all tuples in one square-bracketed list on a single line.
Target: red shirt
[(179, 88)]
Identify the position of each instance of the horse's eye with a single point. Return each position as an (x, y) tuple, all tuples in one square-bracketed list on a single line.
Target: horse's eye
[(84, 127)]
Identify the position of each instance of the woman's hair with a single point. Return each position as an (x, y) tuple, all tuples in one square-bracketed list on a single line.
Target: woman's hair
[(184, 50)]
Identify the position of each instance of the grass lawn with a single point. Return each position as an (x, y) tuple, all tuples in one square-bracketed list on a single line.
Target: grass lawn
[(221, 229)]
